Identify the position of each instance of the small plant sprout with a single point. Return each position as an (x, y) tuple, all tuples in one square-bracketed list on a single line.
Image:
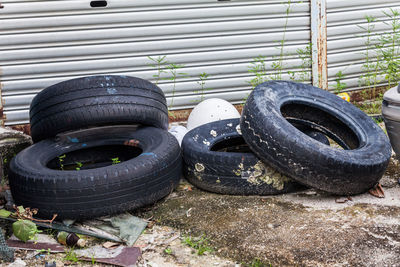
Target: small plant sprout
[(278, 65), (203, 78), (79, 165), (71, 256), (168, 251), (173, 70), (339, 86), (159, 63), (258, 68), (370, 77), (200, 244), (61, 160), (305, 56), (115, 160)]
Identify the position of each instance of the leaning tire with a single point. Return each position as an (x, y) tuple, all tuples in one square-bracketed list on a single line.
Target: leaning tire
[(235, 173), (96, 101), (266, 127), (102, 190)]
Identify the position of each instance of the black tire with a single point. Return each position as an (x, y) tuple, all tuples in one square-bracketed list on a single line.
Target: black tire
[(234, 173), (94, 192), (266, 127), (96, 101)]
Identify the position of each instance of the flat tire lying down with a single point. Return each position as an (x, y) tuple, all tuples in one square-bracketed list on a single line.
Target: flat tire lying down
[(96, 175), (96, 101), (267, 128), (210, 163)]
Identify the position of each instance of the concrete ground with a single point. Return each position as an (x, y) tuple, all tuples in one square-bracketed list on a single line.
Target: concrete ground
[(307, 228)]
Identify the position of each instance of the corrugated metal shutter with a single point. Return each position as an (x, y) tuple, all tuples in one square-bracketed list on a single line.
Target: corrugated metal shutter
[(44, 42), (346, 38)]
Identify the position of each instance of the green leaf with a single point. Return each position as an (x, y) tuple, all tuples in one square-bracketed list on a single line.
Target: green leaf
[(4, 213), (24, 229), (21, 209)]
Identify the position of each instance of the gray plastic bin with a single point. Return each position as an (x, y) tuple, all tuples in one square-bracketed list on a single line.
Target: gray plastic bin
[(391, 116)]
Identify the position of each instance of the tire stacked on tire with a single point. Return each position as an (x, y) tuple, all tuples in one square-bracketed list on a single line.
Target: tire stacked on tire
[(84, 123), (286, 125)]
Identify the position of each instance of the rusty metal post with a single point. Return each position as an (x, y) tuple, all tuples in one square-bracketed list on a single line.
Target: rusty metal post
[(319, 44)]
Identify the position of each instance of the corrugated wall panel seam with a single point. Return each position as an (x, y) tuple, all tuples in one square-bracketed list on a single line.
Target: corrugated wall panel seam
[(165, 16), (332, 4), (294, 22), (214, 57), (250, 52), (204, 29), (94, 12), (74, 53), (81, 7)]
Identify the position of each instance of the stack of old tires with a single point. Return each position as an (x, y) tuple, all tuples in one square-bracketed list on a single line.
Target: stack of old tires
[(281, 144), (101, 147)]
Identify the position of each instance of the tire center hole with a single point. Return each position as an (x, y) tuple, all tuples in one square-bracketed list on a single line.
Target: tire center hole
[(232, 144), (93, 157), (339, 134)]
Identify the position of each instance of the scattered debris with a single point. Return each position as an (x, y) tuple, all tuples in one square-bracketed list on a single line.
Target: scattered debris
[(70, 239), (35, 246), (109, 244), (78, 229), (377, 191), (17, 263), (120, 256), (343, 199), (130, 227)]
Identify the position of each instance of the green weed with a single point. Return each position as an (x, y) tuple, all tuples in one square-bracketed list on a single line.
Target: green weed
[(203, 78), (159, 63), (258, 263), (200, 244), (305, 56), (339, 86), (370, 76), (79, 165), (278, 65), (258, 68), (61, 160), (173, 71), (115, 160), (168, 251), (71, 256), (388, 49)]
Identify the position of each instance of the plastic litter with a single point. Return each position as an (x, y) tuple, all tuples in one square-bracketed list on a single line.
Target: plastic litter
[(70, 239), (179, 132), (210, 110)]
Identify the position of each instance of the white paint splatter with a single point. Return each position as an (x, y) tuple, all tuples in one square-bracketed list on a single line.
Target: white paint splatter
[(238, 129), (199, 167), (112, 91), (213, 133)]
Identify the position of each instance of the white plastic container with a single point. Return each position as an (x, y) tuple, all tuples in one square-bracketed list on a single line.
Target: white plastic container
[(213, 109), (391, 116)]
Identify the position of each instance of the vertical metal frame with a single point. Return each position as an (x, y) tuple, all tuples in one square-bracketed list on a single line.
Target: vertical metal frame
[(319, 44)]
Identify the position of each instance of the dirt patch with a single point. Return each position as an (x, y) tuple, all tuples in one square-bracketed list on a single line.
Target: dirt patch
[(283, 232)]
